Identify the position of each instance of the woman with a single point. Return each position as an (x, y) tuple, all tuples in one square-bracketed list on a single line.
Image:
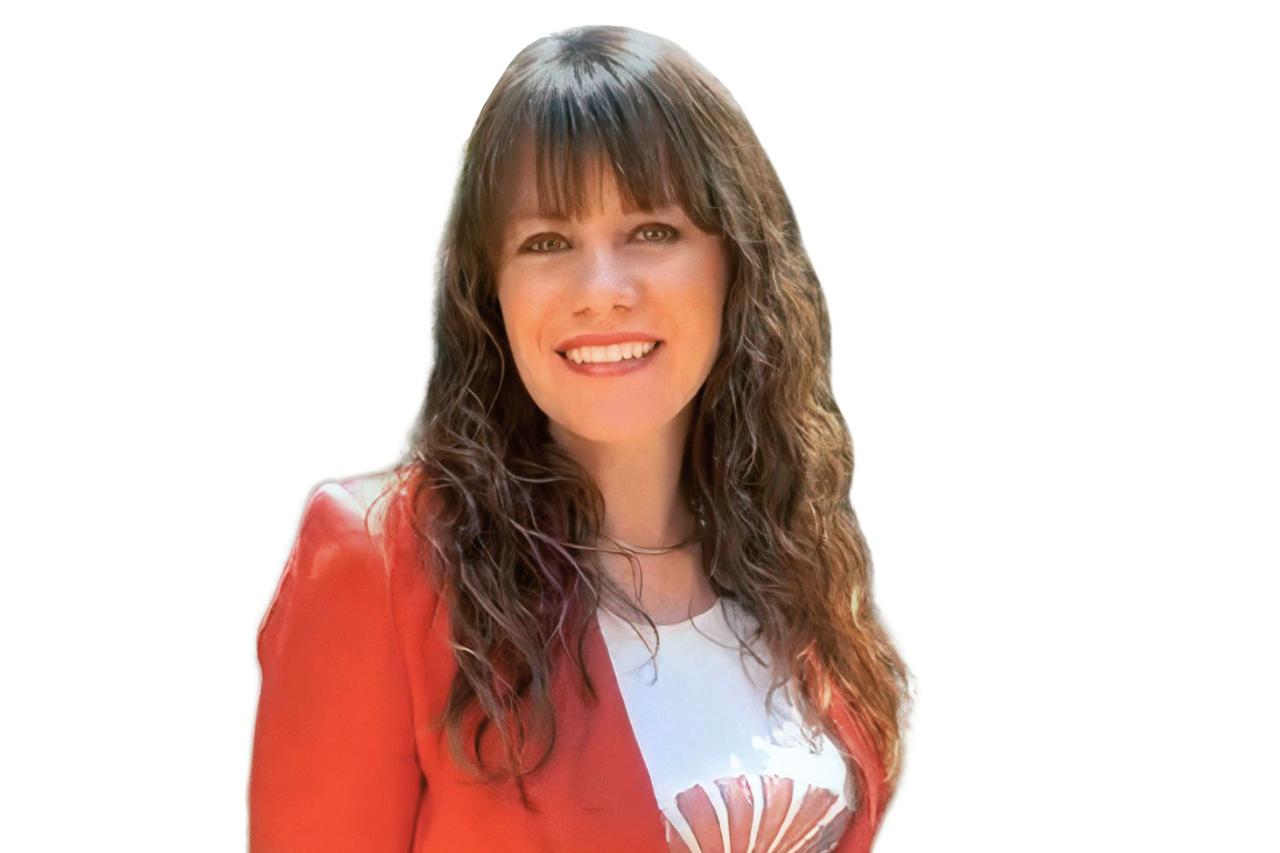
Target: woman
[(614, 598)]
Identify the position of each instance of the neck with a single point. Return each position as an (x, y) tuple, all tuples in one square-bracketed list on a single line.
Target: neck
[(639, 478)]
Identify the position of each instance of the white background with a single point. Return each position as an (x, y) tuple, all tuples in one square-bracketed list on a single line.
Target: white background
[(1048, 237)]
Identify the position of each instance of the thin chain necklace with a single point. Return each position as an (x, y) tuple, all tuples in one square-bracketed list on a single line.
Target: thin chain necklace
[(645, 549)]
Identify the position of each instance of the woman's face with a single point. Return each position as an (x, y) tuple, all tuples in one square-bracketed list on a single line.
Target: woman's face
[(656, 274)]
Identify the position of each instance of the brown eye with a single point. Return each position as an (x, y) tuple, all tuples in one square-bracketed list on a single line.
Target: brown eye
[(538, 241), (658, 229)]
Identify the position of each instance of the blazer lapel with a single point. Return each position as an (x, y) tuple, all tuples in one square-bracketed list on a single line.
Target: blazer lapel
[(861, 831), (597, 784)]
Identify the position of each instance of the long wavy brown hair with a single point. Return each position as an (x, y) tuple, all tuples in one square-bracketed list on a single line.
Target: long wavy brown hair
[(507, 519)]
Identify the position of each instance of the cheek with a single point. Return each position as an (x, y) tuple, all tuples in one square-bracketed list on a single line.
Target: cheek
[(702, 294), (515, 310), (521, 317)]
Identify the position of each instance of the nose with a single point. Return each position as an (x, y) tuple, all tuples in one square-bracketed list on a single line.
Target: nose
[(604, 279)]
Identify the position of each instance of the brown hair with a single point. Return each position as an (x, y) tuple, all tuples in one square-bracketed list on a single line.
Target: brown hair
[(768, 463)]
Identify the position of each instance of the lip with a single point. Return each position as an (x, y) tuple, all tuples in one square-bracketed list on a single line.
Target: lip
[(616, 368), (600, 339)]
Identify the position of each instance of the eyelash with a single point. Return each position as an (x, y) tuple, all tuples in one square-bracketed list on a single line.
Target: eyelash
[(675, 235)]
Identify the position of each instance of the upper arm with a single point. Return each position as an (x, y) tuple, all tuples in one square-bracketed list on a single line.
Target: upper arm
[(334, 765)]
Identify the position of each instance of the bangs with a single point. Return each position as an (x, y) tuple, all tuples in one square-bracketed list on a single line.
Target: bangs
[(574, 141), (569, 133)]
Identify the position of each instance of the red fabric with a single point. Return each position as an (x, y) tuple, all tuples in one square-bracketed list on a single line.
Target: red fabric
[(355, 662)]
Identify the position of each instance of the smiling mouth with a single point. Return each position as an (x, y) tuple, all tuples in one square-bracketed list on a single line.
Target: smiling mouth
[(656, 346)]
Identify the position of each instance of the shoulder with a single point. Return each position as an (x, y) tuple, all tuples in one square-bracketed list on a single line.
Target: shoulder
[(372, 512), (384, 512), (355, 543), (369, 502)]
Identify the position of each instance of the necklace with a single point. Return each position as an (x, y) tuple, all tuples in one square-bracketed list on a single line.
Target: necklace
[(646, 549)]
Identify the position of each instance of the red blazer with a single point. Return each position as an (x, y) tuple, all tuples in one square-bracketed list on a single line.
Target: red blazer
[(355, 661)]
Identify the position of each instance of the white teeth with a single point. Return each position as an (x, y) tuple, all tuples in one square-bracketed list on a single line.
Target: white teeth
[(610, 353)]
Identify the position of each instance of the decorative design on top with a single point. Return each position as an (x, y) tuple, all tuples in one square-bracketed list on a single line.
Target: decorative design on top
[(815, 827)]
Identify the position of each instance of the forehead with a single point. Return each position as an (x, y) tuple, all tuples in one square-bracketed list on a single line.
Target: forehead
[(599, 193), (581, 185)]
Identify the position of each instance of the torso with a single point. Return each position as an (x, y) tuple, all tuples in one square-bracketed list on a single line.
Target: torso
[(727, 772)]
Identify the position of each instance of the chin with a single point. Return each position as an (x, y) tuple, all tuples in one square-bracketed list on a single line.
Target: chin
[(626, 428)]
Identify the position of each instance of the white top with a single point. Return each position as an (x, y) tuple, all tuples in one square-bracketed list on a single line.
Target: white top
[(721, 766)]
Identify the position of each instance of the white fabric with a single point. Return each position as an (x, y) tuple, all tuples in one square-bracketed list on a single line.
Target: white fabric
[(703, 718)]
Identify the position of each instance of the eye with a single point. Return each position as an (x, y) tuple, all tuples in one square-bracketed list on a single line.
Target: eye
[(541, 238), (660, 229)]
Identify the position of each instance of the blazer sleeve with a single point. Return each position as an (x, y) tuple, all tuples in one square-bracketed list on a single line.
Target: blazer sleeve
[(334, 767)]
